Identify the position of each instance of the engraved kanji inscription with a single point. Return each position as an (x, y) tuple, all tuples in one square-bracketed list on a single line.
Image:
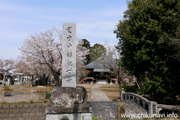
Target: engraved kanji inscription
[(69, 79), (69, 38), (69, 70), (69, 54), (69, 45), (69, 29), (69, 63)]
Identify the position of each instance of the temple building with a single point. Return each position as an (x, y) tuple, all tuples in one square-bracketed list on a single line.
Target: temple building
[(98, 73)]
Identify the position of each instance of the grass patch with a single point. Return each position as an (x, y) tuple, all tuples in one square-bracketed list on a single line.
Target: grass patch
[(25, 102), (4, 103), (94, 118)]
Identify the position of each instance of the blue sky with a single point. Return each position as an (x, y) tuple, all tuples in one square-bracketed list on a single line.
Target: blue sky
[(96, 20)]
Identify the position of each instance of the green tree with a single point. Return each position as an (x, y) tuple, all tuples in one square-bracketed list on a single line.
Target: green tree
[(144, 36), (176, 41), (96, 51), (87, 45)]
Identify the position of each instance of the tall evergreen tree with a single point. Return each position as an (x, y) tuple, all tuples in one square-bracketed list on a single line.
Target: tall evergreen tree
[(87, 45), (96, 51), (145, 34)]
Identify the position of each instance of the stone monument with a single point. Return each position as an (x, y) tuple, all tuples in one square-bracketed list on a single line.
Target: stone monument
[(69, 102), (69, 55)]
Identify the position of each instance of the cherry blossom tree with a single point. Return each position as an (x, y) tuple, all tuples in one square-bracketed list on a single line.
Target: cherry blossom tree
[(43, 53), (32, 69), (22, 66), (5, 66)]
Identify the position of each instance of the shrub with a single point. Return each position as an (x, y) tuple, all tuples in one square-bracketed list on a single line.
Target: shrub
[(114, 100), (130, 88), (7, 90), (48, 95), (31, 101), (50, 89), (45, 95)]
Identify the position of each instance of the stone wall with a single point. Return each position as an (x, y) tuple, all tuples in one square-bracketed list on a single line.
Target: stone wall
[(34, 111), (105, 110)]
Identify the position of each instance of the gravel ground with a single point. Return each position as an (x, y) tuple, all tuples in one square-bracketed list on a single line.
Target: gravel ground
[(111, 91), (22, 96)]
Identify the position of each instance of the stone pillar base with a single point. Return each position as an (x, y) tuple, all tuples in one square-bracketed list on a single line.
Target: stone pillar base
[(78, 112), (69, 104), (75, 116)]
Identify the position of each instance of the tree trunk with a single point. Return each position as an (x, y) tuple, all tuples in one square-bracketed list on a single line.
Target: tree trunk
[(138, 83), (4, 79), (119, 79), (57, 81)]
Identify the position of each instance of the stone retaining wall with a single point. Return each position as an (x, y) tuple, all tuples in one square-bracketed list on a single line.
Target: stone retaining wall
[(105, 110), (34, 111)]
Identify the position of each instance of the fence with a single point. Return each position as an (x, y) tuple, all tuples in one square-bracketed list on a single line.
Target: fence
[(25, 96)]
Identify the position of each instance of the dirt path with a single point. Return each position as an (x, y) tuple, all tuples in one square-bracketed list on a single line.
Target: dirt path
[(97, 94), (112, 91)]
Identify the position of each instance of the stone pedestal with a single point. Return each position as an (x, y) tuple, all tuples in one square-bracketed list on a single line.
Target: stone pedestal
[(69, 104), (79, 116)]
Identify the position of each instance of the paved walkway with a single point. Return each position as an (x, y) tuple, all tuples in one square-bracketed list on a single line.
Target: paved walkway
[(97, 94)]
